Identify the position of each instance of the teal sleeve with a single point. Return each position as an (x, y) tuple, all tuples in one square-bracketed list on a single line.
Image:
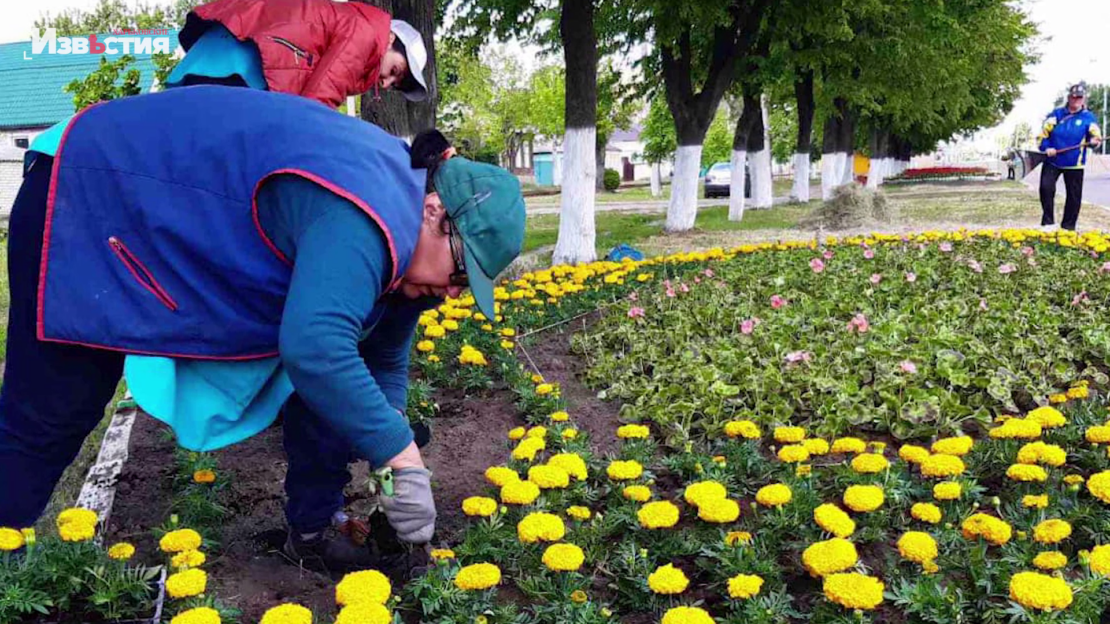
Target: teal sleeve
[(218, 54), (341, 265)]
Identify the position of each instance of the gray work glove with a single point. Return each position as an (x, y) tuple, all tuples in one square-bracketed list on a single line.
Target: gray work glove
[(411, 510)]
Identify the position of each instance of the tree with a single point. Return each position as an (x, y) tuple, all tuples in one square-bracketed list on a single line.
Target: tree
[(659, 139), (391, 110), (105, 83), (616, 105)]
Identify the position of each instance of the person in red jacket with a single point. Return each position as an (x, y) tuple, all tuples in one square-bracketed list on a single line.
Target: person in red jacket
[(319, 49)]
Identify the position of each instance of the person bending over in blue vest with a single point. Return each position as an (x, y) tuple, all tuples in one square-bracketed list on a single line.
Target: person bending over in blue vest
[(225, 264), (1067, 133)]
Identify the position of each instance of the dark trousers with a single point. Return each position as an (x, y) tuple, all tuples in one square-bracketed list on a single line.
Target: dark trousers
[(53, 395), (1073, 185)]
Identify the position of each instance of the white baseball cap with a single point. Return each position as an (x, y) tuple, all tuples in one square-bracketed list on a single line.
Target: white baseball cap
[(417, 56)]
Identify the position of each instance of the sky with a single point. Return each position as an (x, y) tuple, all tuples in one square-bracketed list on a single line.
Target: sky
[(1072, 47)]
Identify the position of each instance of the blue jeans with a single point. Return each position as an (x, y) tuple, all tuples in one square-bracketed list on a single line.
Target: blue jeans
[(53, 395)]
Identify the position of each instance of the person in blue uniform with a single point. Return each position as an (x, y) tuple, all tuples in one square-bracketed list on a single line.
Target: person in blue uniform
[(1067, 134)]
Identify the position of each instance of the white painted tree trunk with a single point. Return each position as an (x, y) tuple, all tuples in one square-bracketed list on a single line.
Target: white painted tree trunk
[(800, 192), (875, 173), (656, 180), (683, 209), (848, 173), (736, 200), (762, 189), (830, 174), (577, 237)]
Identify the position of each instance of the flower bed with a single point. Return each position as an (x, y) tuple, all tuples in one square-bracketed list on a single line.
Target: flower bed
[(932, 174)]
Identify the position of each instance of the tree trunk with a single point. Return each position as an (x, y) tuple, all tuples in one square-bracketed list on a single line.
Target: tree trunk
[(806, 105), (832, 161), (748, 135), (602, 142), (762, 180), (656, 180), (392, 111), (847, 141), (577, 236)]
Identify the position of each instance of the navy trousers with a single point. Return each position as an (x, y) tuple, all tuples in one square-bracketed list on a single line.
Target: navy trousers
[(53, 395)]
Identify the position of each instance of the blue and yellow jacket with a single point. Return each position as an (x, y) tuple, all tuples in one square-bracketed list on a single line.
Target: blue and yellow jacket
[(1064, 129)]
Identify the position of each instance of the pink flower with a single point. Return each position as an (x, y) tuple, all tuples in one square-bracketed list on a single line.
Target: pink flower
[(1006, 269), (778, 302), (709, 273), (667, 284), (869, 253), (798, 356), (747, 326), (946, 246), (1105, 268), (911, 277), (907, 367), (632, 296), (983, 304), (817, 265), (859, 323), (1027, 251), (1080, 298), (876, 278), (670, 292), (635, 313), (975, 266), (828, 254), (697, 280), (684, 288)]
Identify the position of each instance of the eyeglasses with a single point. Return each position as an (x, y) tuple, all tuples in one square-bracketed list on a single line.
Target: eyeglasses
[(458, 276)]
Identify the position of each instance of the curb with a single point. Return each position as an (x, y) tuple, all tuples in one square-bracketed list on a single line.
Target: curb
[(98, 493)]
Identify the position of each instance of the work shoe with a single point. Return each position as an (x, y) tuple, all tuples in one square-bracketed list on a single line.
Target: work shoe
[(329, 552)]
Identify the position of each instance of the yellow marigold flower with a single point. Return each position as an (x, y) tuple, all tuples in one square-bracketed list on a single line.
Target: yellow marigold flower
[(10, 540), (1052, 531), (578, 597), (1025, 472), (992, 529), (537, 379), (77, 515), (638, 493), (948, 490), (1034, 590), (539, 431), (1050, 560), (1035, 502), (199, 615), (686, 615), (668, 580), (1074, 479), (719, 511), (863, 498), (204, 477), (958, 446), (434, 331), (365, 587), (793, 453), (833, 520), (848, 445), (829, 556), (869, 463), (744, 586), (658, 515), (913, 454), (478, 576), (508, 332), (1099, 560), (563, 557), (549, 477), (701, 492), (578, 512), (926, 512), (803, 470), (572, 463), (631, 432), (570, 434), (469, 355), (433, 358), (1099, 485), (854, 590), (742, 429), (186, 583), (1098, 434), (732, 538), (774, 495), (1047, 417), (77, 532), (942, 466), (364, 613), (540, 526), (287, 613), (544, 389), (559, 416), (1041, 453), (917, 546), (450, 324), (619, 470), (500, 475), (815, 446), (479, 506), (440, 554), (425, 346), (1017, 429), (519, 493), (1078, 392), (517, 433), (1056, 399), (188, 559), (527, 448), (789, 435)]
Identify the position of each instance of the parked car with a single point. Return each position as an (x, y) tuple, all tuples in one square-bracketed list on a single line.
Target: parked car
[(718, 180)]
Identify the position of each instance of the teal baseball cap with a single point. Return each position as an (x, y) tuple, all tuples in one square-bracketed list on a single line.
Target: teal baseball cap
[(485, 204)]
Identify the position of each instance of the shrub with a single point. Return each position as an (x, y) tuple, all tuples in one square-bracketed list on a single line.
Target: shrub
[(612, 180)]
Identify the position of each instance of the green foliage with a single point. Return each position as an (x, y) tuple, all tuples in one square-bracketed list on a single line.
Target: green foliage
[(612, 180), (660, 141), (105, 83), (111, 15), (718, 140)]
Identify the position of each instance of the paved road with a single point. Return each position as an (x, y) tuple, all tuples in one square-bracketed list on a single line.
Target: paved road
[(1096, 188), (537, 205)]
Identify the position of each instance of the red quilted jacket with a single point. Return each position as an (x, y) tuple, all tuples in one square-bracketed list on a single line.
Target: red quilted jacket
[(320, 49)]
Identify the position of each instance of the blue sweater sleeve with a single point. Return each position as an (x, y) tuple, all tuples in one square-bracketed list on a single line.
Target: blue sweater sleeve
[(340, 267)]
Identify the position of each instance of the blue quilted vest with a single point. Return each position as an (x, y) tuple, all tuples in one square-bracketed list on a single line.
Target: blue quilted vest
[(152, 242)]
